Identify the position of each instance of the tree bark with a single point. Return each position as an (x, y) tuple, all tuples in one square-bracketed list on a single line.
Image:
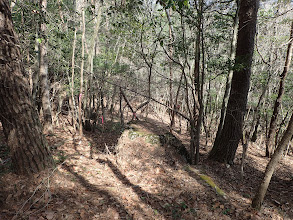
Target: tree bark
[(171, 39), (230, 74), (73, 112), (28, 147), (121, 109), (36, 78), (224, 150), (277, 105), (198, 80), (81, 74), (113, 99), (258, 199), (175, 106), (43, 69), (91, 55)]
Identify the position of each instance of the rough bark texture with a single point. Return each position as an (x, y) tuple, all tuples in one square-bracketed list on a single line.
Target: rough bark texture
[(28, 146), (225, 148), (43, 70), (258, 199), (277, 105)]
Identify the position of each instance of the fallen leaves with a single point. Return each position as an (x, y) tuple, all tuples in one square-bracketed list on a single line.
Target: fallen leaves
[(135, 183), (49, 215)]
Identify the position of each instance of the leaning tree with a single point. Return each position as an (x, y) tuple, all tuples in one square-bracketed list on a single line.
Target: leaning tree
[(277, 156), (21, 125), (225, 146)]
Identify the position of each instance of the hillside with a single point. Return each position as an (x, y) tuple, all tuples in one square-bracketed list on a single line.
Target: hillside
[(141, 173)]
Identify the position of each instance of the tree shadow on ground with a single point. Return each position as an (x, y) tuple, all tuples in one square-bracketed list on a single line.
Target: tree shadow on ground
[(156, 202), (152, 126), (144, 196), (104, 138), (166, 139), (279, 189), (279, 193), (110, 199)]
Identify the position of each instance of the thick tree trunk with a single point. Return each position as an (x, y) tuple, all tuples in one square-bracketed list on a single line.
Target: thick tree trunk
[(43, 70), (258, 199), (277, 105), (225, 148), (28, 146)]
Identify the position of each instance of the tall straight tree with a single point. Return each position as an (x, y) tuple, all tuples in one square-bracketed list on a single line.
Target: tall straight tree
[(277, 105), (81, 70), (230, 73), (22, 128), (225, 148), (43, 68)]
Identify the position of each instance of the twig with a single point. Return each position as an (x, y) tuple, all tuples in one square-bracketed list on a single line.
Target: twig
[(34, 192), (107, 149)]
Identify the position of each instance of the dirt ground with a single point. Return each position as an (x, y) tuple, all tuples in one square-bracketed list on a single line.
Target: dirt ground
[(116, 173)]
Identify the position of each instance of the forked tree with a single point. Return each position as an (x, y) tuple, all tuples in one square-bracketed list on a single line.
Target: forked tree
[(29, 150), (225, 147)]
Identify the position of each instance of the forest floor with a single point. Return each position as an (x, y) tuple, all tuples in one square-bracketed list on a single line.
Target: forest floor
[(131, 173)]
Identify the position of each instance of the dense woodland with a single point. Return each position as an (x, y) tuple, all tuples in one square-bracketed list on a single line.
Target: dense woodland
[(147, 109)]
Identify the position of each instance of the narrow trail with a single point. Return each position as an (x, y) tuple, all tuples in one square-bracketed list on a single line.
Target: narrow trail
[(111, 174)]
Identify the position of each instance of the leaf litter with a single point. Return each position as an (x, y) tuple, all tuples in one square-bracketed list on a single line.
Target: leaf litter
[(112, 174)]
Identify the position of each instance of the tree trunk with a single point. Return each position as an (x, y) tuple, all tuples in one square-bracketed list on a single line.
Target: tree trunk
[(43, 69), (195, 135), (103, 105), (171, 39), (28, 147), (273, 123), (81, 74), (113, 99), (224, 150), (230, 74), (258, 199), (91, 55), (73, 112), (175, 104), (121, 109), (201, 80), (257, 114), (36, 79)]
